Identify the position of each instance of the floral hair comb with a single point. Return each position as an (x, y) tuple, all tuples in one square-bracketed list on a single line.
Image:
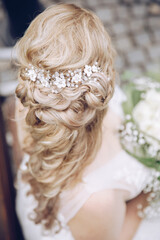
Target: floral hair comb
[(60, 80)]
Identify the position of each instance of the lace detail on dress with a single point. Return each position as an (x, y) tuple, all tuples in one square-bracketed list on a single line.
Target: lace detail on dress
[(123, 172), (133, 174), (152, 187)]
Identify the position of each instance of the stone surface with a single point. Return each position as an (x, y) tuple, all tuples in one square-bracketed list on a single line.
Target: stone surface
[(136, 56), (8, 75), (154, 52), (107, 2), (139, 11), (157, 35), (135, 34), (142, 39), (123, 12), (120, 28), (93, 3), (119, 63), (135, 70), (105, 14), (5, 65), (124, 44), (152, 66), (154, 22), (136, 25)]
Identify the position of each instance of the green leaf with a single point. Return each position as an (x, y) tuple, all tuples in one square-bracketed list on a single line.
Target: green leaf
[(154, 75), (133, 94)]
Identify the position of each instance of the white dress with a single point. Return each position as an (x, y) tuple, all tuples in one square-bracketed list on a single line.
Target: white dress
[(121, 172)]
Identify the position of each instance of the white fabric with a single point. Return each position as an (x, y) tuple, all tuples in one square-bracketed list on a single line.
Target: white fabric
[(121, 172), (117, 99), (149, 230)]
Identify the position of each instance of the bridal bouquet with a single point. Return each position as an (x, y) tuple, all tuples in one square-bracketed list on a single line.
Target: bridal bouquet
[(140, 135), (140, 132)]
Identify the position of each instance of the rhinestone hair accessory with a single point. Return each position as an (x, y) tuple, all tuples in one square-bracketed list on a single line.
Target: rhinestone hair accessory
[(60, 80)]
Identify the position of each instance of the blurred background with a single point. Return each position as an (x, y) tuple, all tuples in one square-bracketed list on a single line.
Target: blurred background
[(134, 27)]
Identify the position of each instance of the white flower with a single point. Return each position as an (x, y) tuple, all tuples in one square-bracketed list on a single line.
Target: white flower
[(77, 78), (32, 74), (60, 82), (45, 83), (60, 79), (88, 70), (40, 76), (135, 133), (147, 114), (56, 74), (141, 141), (128, 117), (94, 68)]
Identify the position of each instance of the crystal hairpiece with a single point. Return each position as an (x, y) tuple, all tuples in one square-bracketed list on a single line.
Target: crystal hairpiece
[(60, 80)]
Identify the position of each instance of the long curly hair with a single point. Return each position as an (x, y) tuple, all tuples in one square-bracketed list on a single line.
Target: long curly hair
[(63, 129)]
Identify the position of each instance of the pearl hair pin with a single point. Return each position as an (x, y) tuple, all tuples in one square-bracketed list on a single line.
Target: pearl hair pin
[(60, 80)]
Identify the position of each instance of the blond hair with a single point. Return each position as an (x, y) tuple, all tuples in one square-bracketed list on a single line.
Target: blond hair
[(64, 129)]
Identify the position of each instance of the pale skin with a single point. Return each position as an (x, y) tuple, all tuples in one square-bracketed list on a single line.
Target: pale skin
[(105, 215)]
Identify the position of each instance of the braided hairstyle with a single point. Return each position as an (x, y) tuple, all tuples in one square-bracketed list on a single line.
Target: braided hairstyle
[(63, 129)]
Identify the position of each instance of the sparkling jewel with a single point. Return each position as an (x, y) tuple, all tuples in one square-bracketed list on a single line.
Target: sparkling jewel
[(60, 80)]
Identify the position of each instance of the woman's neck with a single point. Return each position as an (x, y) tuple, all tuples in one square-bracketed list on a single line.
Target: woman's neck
[(110, 142)]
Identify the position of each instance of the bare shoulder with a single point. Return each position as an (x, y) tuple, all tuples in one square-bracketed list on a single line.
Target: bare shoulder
[(101, 217)]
